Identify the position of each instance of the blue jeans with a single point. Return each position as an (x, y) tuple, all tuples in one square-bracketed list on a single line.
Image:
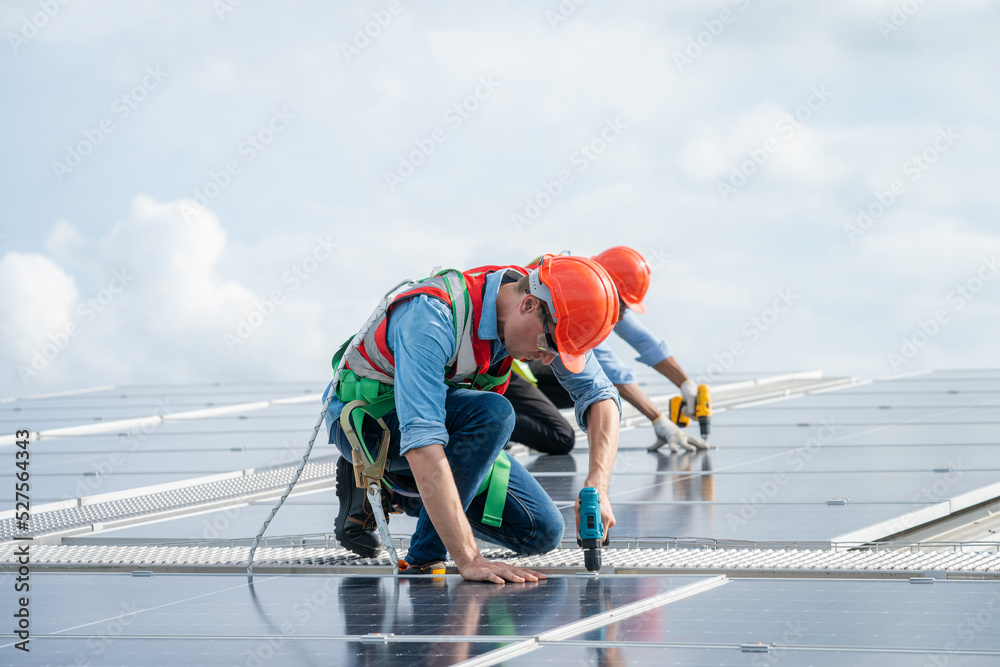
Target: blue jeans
[(479, 424)]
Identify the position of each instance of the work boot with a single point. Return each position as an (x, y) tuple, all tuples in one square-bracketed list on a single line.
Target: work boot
[(355, 528)]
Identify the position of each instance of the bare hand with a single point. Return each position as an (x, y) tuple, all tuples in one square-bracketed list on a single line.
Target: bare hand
[(497, 572)]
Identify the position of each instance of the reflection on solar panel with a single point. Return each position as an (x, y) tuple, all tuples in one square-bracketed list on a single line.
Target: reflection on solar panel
[(825, 529)]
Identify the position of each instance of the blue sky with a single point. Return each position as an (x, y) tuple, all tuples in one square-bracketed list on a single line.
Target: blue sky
[(199, 191)]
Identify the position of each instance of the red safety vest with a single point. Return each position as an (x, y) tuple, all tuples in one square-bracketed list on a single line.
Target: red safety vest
[(470, 365)]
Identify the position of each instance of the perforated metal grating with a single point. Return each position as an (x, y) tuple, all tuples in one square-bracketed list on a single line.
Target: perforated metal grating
[(186, 499), (801, 561)]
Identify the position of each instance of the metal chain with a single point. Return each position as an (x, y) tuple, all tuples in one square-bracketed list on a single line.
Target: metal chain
[(355, 342)]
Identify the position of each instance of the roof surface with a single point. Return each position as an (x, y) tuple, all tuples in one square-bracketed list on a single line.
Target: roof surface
[(814, 533)]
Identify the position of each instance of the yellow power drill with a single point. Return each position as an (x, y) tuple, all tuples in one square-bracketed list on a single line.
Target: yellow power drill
[(702, 411)]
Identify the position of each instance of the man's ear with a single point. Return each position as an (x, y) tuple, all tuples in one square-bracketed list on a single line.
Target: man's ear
[(529, 303)]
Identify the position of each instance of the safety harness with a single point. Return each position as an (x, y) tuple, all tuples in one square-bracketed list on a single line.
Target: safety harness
[(366, 381)]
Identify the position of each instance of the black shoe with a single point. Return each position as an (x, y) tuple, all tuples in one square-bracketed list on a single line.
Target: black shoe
[(355, 528)]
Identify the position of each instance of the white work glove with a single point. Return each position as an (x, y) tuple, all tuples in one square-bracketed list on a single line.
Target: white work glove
[(668, 432), (689, 392)]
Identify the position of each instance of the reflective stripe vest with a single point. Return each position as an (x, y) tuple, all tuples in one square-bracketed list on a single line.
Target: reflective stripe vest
[(470, 365)]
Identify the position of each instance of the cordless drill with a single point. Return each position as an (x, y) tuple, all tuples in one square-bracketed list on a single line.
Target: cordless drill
[(702, 411), (591, 528)]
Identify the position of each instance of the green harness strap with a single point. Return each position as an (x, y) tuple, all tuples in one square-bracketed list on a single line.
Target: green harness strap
[(381, 400), (497, 481)]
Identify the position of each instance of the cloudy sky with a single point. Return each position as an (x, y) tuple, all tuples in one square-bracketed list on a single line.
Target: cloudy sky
[(221, 191)]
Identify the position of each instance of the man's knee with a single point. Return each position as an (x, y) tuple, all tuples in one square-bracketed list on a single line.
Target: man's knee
[(564, 439), (547, 535), (497, 411), (550, 534)]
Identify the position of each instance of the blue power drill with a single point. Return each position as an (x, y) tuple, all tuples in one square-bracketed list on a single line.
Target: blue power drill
[(591, 528)]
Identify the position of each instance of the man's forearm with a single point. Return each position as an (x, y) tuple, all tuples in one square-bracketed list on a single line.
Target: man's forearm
[(603, 418), (672, 370), (639, 400), (439, 494)]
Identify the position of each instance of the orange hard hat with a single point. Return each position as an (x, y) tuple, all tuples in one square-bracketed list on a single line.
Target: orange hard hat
[(630, 272), (581, 297)]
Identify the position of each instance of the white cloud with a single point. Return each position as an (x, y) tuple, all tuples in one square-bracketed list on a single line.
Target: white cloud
[(36, 297), (157, 311), (655, 187)]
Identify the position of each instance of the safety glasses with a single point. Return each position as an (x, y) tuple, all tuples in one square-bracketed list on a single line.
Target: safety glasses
[(545, 340)]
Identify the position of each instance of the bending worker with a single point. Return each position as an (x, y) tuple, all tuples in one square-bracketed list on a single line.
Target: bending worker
[(447, 422), (631, 275)]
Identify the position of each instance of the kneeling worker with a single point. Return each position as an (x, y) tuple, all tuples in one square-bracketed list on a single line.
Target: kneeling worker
[(434, 368), (631, 275)]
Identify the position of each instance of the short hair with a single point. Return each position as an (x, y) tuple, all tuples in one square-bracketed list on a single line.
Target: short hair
[(522, 285)]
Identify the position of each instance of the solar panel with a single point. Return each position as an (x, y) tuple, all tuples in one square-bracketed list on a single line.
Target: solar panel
[(804, 469)]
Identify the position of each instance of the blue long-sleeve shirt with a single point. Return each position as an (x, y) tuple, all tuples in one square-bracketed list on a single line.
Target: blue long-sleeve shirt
[(421, 335), (652, 350)]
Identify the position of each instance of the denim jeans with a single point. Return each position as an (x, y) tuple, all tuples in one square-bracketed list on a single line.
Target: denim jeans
[(479, 424)]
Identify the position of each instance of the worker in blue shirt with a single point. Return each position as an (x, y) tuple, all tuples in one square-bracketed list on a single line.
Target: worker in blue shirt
[(442, 342), (631, 275)]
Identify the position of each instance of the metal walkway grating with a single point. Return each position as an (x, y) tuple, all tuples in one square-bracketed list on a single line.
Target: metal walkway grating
[(135, 506), (801, 562)]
